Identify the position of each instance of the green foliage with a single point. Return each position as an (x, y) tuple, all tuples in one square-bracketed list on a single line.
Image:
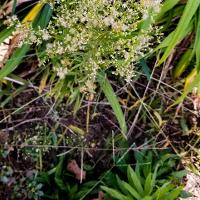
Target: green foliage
[(188, 13), (19, 54), (26, 186), (82, 39), (14, 61), (110, 95), (58, 184), (154, 177), (88, 39)]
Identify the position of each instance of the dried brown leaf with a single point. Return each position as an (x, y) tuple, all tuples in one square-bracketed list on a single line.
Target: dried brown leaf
[(76, 170)]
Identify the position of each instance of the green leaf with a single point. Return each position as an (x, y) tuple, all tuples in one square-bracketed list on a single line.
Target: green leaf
[(175, 193), (6, 33), (167, 5), (197, 42), (162, 191), (131, 190), (134, 180), (147, 198), (148, 185), (194, 83), (112, 99), (43, 17), (153, 182), (14, 6), (183, 63), (168, 39), (189, 11), (185, 194), (114, 193), (14, 61), (58, 174), (121, 186), (180, 174)]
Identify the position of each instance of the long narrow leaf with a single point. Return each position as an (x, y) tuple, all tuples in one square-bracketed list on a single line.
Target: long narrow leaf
[(33, 13), (112, 99), (165, 43), (197, 43), (43, 18), (189, 11), (148, 185), (6, 33), (131, 190), (114, 193), (14, 61), (134, 180), (183, 63), (167, 5)]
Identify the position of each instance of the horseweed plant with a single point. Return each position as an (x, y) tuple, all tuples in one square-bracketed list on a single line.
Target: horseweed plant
[(84, 37)]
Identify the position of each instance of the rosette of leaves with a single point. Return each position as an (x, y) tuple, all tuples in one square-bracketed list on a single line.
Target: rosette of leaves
[(153, 177)]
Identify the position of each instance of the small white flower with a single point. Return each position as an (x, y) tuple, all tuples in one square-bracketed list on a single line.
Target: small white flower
[(45, 35), (154, 4), (109, 21), (62, 72), (49, 46), (62, 22), (145, 16)]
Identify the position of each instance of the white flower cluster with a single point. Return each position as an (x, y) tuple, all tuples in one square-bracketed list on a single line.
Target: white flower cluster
[(86, 36), (11, 20), (152, 4)]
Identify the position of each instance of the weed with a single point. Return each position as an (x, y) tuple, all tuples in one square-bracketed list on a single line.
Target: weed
[(154, 177)]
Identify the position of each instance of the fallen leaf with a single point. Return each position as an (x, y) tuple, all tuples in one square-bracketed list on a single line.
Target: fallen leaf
[(76, 170)]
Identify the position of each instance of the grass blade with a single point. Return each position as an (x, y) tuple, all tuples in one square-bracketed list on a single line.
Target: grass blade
[(183, 63), (197, 42), (189, 11), (167, 5), (6, 33), (14, 61), (112, 99), (165, 43), (14, 6)]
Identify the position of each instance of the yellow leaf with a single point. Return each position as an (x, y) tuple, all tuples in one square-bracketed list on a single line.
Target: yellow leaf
[(183, 63), (33, 13), (77, 130), (190, 78), (160, 121), (43, 81)]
